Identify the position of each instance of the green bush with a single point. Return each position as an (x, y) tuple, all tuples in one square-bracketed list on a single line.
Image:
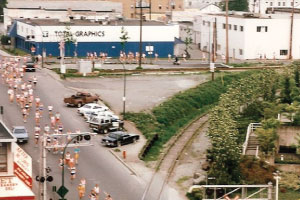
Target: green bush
[(5, 40)]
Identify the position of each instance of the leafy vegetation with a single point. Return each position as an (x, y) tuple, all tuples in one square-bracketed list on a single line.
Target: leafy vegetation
[(2, 5), (172, 115), (225, 152), (238, 5)]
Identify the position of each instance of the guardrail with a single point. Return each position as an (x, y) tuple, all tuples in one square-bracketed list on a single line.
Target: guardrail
[(251, 128)]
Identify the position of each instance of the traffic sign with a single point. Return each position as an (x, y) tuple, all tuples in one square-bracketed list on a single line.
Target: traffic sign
[(62, 191)]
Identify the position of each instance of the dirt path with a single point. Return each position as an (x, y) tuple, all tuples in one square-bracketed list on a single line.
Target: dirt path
[(173, 152)]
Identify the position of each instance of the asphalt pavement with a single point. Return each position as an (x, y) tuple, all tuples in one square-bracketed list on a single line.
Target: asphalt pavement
[(96, 164)]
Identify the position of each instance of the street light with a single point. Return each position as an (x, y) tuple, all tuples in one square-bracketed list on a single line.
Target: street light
[(124, 89), (277, 178)]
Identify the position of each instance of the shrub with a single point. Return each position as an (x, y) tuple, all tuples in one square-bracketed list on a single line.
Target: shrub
[(256, 172)]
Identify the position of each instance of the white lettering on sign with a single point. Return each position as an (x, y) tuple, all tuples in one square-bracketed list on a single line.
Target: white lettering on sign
[(80, 33)]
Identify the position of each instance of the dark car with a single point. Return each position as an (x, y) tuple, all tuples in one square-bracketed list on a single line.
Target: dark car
[(80, 98), (20, 133), (30, 67), (119, 138)]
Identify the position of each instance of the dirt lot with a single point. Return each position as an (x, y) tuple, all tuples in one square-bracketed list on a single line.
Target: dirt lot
[(142, 92)]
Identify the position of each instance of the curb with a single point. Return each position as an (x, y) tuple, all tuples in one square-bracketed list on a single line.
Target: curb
[(129, 168)]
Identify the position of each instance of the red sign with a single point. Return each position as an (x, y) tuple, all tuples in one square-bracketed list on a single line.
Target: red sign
[(19, 172)]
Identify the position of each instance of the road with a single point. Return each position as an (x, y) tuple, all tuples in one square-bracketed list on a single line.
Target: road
[(96, 163)]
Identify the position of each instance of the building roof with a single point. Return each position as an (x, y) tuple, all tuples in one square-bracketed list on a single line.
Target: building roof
[(62, 5), (4, 133), (78, 22)]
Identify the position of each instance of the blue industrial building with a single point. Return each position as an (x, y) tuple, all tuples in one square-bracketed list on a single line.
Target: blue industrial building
[(89, 36)]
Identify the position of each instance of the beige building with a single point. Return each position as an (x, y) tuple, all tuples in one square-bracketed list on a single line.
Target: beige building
[(158, 9)]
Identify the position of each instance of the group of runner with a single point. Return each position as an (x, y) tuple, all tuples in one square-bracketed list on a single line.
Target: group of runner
[(21, 90)]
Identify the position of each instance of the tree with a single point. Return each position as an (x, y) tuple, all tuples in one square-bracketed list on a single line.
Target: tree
[(2, 5), (68, 39), (238, 5), (267, 139), (286, 96), (188, 41), (296, 75), (124, 38)]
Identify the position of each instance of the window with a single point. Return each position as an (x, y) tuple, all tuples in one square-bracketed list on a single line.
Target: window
[(261, 28), (258, 28), (159, 7), (3, 157), (235, 27), (190, 3), (173, 7), (229, 26), (283, 3), (203, 23), (224, 26), (283, 52), (208, 24), (279, 3), (132, 6), (241, 51), (241, 28), (218, 47), (271, 3), (291, 3)]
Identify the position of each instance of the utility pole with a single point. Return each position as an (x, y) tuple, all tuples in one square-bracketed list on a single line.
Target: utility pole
[(227, 45), (291, 33), (141, 34)]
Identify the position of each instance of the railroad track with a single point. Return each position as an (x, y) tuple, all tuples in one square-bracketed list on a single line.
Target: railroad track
[(168, 160)]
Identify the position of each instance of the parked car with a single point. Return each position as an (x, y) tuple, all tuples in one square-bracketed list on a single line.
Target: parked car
[(116, 139), (91, 107), (105, 124), (20, 133), (100, 114), (81, 98), (30, 67)]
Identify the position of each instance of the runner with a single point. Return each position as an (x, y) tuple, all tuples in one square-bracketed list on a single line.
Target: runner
[(67, 158), (108, 197), (46, 129), (52, 119), (34, 81), (37, 117), (37, 102), (81, 191), (50, 108), (97, 191), (76, 154), (37, 130), (57, 117), (92, 196), (73, 173), (24, 113)]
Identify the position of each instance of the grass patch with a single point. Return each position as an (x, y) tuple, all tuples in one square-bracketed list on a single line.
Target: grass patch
[(182, 180), (253, 64), (172, 115), (16, 52)]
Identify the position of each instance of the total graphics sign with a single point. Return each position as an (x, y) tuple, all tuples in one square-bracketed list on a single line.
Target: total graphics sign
[(105, 33)]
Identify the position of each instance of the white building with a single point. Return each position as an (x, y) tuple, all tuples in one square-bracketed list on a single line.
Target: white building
[(250, 37), (189, 14), (196, 4), (56, 9), (15, 168), (260, 6)]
